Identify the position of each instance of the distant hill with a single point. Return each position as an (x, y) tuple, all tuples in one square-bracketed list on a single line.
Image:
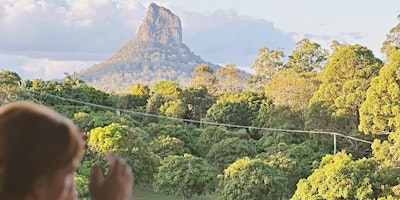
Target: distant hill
[(157, 53)]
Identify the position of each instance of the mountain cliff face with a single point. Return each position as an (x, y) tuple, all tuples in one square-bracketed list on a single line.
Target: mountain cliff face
[(160, 25), (157, 53)]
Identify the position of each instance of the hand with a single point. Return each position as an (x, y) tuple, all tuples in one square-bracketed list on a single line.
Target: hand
[(117, 185), (72, 194)]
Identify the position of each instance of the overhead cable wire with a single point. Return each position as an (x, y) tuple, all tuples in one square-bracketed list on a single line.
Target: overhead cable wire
[(197, 121)]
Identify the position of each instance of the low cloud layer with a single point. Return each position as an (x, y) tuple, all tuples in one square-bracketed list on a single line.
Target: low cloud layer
[(84, 30), (44, 38)]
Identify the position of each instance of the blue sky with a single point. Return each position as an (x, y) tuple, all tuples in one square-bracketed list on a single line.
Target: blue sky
[(45, 38)]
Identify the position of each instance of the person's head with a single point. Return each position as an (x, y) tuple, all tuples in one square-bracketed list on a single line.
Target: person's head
[(39, 152)]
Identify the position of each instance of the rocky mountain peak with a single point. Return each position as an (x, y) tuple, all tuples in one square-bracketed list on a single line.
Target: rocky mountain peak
[(160, 25)]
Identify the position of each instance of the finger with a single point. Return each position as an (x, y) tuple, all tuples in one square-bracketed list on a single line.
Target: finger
[(121, 166), (111, 159), (96, 178)]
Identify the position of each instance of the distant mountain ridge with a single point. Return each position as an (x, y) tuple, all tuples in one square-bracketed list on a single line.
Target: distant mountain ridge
[(157, 53)]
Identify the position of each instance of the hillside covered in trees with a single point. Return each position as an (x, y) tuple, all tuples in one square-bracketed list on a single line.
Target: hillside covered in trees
[(230, 136), (156, 53)]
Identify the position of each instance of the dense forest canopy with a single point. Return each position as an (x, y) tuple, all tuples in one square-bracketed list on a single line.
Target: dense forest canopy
[(229, 134)]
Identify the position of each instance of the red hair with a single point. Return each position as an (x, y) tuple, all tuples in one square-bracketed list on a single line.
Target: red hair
[(35, 142)]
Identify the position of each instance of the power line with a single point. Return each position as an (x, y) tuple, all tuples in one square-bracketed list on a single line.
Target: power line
[(201, 122)]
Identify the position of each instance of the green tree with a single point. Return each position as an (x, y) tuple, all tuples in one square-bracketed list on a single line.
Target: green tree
[(127, 142), (185, 175), (252, 179), (230, 79), (162, 92), (88, 119), (292, 154), (174, 108), (380, 112), (140, 89), (307, 57), (224, 153), (340, 177), (73, 79), (203, 77), (9, 86), (238, 108), (136, 98), (266, 64), (165, 146), (211, 135), (188, 133), (392, 42), (288, 88), (168, 89), (197, 101), (345, 79)]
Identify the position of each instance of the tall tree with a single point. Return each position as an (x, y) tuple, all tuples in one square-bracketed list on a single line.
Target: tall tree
[(197, 102), (252, 179), (225, 152), (165, 146), (345, 79), (140, 89), (380, 112), (307, 57), (238, 109), (338, 177), (185, 175), (211, 135), (230, 79), (288, 88), (162, 91), (203, 76), (392, 42), (266, 64)]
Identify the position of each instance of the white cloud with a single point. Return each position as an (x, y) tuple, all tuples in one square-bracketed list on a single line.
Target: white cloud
[(50, 69), (56, 37), (226, 37), (85, 26)]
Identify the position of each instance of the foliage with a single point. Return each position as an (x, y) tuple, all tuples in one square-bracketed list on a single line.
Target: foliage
[(161, 93), (187, 175), (136, 98), (174, 108), (76, 90), (236, 109), (345, 79), (293, 153), (203, 77), (307, 57), (337, 177), (165, 146), (252, 179), (90, 120), (266, 64), (9, 86), (187, 133), (230, 79), (288, 88), (211, 135), (129, 144), (197, 101), (340, 177), (281, 117), (380, 112), (224, 153), (392, 42)]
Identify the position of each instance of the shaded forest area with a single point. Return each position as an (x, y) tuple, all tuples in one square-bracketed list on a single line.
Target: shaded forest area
[(177, 142)]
